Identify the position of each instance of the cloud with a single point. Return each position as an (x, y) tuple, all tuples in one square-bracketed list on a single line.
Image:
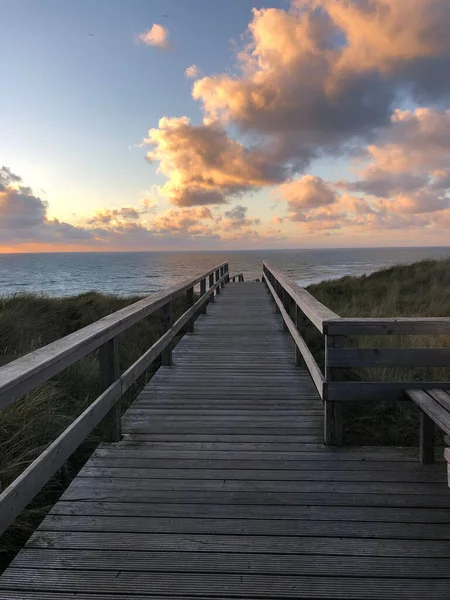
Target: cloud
[(306, 193), (203, 165), (192, 72), (184, 221), (317, 79), (110, 215), (23, 216), (157, 35), (409, 166), (316, 76), (236, 219)]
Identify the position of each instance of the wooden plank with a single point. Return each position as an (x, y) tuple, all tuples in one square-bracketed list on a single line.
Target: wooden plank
[(243, 527), (112, 492), (338, 391), (235, 485), (430, 407), (109, 372), (140, 472), (371, 547), (388, 326), (254, 511), (236, 585), (426, 439), (264, 564), (388, 357)]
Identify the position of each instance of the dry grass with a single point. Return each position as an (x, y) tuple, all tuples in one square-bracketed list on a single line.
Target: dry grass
[(417, 290)]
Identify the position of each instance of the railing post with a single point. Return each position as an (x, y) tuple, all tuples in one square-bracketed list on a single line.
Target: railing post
[(299, 319), (166, 320), (217, 279), (108, 356), (202, 293), (277, 288), (333, 426), (426, 439), (190, 302), (222, 273), (211, 283), (285, 300), (227, 271)]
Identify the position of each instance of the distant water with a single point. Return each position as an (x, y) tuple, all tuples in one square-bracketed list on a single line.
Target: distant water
[(124, 273)]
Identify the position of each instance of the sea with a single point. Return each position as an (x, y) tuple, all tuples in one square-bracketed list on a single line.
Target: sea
[(142, 273)]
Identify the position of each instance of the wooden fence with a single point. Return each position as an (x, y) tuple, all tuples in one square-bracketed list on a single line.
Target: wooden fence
[(297, 307), (24, 374)]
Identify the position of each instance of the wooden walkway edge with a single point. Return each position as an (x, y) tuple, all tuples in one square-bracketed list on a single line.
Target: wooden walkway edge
[(222, 488)]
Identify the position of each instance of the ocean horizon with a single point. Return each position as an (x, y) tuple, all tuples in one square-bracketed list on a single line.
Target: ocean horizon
[(140, 273)]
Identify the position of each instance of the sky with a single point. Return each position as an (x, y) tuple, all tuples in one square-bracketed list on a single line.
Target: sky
[(199, 124)]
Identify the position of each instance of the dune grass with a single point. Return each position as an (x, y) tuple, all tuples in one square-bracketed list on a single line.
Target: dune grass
[(28, 322), (421, 289)]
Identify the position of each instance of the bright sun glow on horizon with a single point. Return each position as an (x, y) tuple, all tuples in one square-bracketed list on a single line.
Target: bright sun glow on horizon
[(296, 124)]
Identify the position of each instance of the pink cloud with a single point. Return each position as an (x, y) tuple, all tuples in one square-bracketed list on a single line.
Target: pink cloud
[(157, 36)]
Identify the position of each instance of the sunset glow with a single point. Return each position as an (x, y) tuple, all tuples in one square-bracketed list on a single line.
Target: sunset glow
[(246, 125)]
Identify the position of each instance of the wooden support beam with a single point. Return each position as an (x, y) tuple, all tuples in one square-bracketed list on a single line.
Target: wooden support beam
[(211, 283), (108, 356), (202, 293), (217, 279), (333, 425), (190, 302), (426, 439), (166, 320)]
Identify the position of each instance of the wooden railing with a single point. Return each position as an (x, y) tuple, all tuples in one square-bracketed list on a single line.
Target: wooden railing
[(239, 277), (24, 374), (297, 307)]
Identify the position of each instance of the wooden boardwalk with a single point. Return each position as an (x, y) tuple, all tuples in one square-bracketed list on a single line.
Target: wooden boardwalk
[(221, 488)]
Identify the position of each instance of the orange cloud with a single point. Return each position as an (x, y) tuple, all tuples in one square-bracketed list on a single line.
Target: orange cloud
[(157, 35), (311, 80), (202, 164), (192, 72)]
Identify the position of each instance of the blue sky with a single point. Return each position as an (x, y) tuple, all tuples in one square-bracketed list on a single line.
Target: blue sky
[(81, 103), (81, 93)]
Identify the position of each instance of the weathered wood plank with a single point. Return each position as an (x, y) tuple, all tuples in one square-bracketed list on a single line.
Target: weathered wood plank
[(388, 357), (388, 326), (254, 511), (264, 564), (111, 492), (231, 543), (236, 585)]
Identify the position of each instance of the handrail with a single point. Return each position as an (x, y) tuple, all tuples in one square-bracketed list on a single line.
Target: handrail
[(316, 312), (332, 388), (42, 364), (313, 367), (24, 374)]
